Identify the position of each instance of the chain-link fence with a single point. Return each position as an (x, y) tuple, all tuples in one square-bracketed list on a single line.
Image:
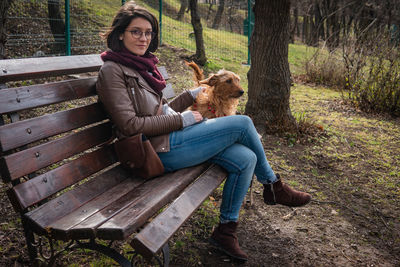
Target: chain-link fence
[(223, 25), (39, 27)]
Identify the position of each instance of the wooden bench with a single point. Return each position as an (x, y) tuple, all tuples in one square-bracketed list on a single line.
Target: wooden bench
[(68, 187)]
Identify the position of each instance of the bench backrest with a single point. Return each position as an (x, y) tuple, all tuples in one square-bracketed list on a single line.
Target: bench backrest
[(49, 150)]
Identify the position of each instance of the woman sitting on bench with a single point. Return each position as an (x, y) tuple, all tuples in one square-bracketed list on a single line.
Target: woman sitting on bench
[(130, 87)]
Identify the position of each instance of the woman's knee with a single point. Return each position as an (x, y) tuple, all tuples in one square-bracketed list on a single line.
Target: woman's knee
[(238, 122), (239, 157), (244, 120), (248, 157)]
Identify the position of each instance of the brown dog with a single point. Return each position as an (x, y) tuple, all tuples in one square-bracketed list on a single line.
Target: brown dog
[(221, 94)]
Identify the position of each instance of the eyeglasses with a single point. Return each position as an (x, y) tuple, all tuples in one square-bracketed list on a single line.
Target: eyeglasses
[(138, 34)]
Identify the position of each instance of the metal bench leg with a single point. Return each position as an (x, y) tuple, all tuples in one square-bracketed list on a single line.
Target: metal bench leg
[(30, 241), (252, 191), (166, 256), (112, 253)]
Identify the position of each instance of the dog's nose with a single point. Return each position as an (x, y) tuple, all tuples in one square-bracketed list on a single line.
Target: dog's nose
[(241, 92)]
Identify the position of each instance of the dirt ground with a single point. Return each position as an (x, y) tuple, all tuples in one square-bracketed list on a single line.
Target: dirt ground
[(324, 233), (351, 168)]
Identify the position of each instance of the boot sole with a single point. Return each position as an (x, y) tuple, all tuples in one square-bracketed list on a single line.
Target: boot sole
[(218, 246), (293, 206)]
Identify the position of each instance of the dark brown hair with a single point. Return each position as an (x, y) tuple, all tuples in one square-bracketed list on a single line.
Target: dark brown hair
[(122, 19)]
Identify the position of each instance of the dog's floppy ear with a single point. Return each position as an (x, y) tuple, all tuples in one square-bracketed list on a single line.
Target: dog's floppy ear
[(211, 81)]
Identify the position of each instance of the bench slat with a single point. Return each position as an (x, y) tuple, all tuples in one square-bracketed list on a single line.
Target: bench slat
[(32, 68), (163, 72), (45, 185), (61, 229), (30, 160), (17, 99), (133, 209), (153, 237), (17, 134), (61, 206)]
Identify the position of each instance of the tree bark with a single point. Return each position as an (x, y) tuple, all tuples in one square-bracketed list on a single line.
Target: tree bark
[(332, 24), (303, 30), (57, 26), (200, 56), (218, 16), (181, 13), (320, 33), (210, 7), (311, 27), (269, 75), (294, 30), (231, 12), (4, 6)]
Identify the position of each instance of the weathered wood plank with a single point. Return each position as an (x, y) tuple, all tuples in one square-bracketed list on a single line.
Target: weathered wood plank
[(20, 98), (32, 68), (24, 132), (168, 91), (153, 237), (163, 72), (60, 228), (32, 159), (49, 183), (123, 217), (66, 203)]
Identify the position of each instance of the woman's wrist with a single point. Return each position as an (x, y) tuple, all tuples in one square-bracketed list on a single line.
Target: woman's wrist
[(196, 91), (187, 118), (167, 110)]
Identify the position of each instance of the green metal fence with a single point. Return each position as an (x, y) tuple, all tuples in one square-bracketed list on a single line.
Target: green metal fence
[(71, 27)]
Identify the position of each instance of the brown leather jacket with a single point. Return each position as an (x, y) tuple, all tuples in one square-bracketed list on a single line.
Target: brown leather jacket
[(132, 105)]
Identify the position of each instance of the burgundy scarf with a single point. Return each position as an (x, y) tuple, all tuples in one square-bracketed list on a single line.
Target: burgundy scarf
[(145, 65)]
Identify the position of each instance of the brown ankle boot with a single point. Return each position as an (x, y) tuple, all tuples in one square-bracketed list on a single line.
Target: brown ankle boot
[(224, 238), (281, 193)]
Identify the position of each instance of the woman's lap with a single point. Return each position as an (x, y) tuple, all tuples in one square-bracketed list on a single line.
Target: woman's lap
[(200, 142)]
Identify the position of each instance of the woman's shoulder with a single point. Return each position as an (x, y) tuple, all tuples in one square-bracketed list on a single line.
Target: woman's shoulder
[(110, 66), (112, 69)]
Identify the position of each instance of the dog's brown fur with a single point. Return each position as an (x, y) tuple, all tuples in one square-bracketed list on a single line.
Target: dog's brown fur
[(221, 94)]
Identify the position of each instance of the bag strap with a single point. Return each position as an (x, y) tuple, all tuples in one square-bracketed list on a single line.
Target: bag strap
[(159, 110)]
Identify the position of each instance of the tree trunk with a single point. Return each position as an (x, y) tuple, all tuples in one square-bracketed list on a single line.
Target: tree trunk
[(307, 28), (294, 30), (4, 6), (231, 13), (218, 16), (200, 56), (181, 13), (318, 22), (210, 7), (269, 75), (332, 24), (313, 35), (57, 26)]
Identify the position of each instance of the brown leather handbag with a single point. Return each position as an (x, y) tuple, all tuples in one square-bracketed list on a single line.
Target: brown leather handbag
[(137, 154)]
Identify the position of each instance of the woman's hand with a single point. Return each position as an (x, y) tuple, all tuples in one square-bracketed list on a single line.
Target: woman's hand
[(191, 117), (197, 116)]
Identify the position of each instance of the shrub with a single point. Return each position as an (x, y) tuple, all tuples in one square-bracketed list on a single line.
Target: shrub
[(326, 68), (373, 75)]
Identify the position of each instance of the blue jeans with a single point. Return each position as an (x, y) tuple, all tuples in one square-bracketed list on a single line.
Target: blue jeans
[(231, 142)]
